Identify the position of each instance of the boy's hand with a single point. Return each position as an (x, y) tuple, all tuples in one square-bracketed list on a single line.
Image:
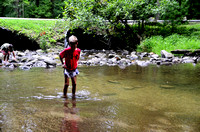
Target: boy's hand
[(64, 66)]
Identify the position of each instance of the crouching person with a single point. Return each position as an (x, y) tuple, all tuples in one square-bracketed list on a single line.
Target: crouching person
[(7, 49)]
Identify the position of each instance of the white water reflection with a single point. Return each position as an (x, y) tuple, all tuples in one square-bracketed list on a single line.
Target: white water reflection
[(81, 94)]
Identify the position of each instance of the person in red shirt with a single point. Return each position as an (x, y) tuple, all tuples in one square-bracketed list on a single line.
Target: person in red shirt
[(71, 56)]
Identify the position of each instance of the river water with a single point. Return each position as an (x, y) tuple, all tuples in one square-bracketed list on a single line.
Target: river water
[(139, 99)]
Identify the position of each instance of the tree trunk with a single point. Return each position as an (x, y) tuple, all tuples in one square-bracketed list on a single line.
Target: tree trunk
[(158, 15), (17, 7), (142, 26), (2, 11), (52, 8), (37, 3), (179, 2), (139, 30)]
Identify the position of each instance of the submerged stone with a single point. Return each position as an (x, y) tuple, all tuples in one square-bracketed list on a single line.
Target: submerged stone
[(167, 86), (113, 81)]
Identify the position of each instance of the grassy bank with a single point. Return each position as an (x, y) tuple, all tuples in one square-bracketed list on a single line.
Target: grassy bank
[(157, 43), (48, 32), (45, 32), (184, 37)]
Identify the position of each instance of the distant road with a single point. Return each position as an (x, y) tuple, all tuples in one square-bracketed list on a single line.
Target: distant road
[(129, 21), (29, 18)]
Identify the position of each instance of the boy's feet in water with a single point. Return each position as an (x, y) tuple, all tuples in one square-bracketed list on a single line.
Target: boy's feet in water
[(64, 96), (5, 62), (73, 95)]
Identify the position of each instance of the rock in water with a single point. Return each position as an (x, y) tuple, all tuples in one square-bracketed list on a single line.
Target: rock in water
[(166, 54), (50, 62)]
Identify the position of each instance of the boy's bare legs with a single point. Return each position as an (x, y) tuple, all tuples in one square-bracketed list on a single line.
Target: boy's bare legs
[(73, 85), (4, 57), (66, 85), (8, 57)]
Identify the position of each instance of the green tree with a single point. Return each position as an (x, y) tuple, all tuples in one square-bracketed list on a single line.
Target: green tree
[(7, 8), (110, 17), (194, 9), (173, 12), (45, 8), (31, 8)]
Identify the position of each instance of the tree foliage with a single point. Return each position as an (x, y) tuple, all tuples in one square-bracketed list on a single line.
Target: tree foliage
[(135, 9), (31, 8), (110, 17), (107, 18), (193, 9), (88, 13), (173, 11)]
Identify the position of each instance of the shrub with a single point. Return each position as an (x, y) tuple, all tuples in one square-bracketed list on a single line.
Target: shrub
[(157, 43)]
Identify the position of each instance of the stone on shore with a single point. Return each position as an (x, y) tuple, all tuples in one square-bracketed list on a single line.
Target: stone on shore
[(50, 62), (122, 58), (165, 54)]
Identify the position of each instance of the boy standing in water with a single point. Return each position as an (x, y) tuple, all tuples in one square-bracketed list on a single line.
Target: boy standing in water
[(71, 56)]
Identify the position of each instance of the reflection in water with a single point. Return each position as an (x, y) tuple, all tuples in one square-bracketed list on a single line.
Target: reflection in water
[(71, 119)]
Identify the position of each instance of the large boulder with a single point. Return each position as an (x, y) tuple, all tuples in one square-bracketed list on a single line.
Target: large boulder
[(20, 54), (50, 62), (165, 54), (100, 55)]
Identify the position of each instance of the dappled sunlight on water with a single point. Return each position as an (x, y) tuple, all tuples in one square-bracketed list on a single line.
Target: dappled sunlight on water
[(164, 99)]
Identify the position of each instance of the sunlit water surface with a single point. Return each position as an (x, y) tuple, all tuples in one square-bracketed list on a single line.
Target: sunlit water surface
[(139, 99)]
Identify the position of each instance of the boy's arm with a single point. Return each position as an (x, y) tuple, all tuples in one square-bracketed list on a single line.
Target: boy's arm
[(79, 54), (61, 59), (1, 49), (13, 54)]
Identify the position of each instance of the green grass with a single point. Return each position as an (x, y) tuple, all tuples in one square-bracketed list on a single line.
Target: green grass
[(162, 38), (54, 29), (157, 37), (28, 27), (157, 43), (193, 29)]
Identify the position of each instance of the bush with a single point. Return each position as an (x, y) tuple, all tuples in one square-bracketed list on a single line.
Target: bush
[(43, 43), (157, 43)]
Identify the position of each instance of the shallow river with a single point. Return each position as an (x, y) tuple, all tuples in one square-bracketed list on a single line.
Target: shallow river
[(139, 99)]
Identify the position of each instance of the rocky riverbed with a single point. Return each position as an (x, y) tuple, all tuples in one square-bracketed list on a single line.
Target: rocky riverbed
[(122, 58)]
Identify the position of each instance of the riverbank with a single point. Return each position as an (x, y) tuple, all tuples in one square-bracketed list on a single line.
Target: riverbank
[(33, 34), (122, 58)]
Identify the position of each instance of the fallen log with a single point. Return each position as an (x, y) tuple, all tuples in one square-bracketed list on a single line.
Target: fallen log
[(185, 51)]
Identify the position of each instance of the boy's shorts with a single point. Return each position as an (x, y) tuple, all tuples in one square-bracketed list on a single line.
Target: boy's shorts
[(4, 52), (71, 73)]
